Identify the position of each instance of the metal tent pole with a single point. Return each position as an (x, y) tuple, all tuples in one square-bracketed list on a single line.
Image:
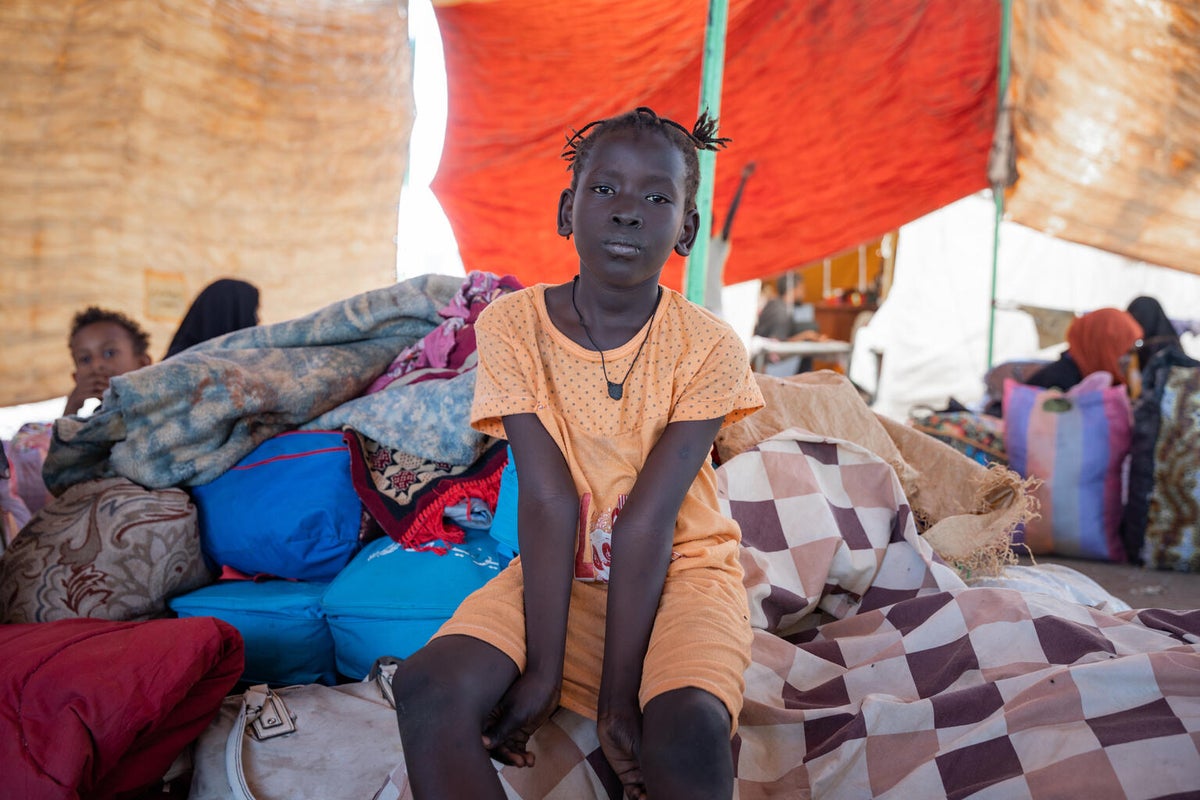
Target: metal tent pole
[(712, 74), (998, 190)]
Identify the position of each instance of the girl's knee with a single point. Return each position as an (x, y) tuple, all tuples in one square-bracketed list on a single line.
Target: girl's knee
[(689, 709), (453, 676), (416, 680), (686, 738), (425, 679)]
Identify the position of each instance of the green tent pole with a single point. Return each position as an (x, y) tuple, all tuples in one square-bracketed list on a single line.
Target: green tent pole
[(998, 191), (711, 76)]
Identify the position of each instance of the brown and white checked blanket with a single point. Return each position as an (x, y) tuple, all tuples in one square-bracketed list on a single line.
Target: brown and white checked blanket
[(877, 673)]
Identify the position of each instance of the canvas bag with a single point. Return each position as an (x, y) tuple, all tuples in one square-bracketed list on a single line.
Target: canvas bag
[(301, 741), (1076, 443)]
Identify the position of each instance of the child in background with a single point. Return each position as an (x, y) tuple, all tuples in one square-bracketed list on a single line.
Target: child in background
[(103, 344), (626, 603)]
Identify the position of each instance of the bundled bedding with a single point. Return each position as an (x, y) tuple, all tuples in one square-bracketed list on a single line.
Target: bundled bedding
[(189, 418), (391, 367), (876, 672), (100, 709)]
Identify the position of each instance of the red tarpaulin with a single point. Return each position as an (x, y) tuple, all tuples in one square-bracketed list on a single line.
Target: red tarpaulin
[(861, 115)]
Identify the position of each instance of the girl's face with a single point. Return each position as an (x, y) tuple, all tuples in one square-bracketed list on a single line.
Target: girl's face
[(102, 350), (628, 211)]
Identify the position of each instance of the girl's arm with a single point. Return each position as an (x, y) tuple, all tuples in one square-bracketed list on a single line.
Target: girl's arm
[(547, 514), (641, 552)]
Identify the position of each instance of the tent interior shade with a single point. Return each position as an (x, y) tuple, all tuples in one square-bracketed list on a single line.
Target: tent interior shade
[(151, 147), (862, 116)]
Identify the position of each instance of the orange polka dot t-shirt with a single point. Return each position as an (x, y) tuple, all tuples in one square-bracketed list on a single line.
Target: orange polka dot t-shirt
[(693, 366)]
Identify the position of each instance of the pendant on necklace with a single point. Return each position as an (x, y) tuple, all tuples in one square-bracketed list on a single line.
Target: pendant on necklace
[(615, 390)]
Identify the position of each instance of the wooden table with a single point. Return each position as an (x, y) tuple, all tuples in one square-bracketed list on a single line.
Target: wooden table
[(836, 320)]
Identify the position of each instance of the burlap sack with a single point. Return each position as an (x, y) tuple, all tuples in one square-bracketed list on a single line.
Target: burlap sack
[(823, 402), (106, 549), (967, 512)]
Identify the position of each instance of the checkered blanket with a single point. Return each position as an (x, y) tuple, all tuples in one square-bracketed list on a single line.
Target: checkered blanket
[(877, 673)]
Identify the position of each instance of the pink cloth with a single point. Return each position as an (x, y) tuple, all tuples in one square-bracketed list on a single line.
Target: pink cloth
[(23, 492), (451, 343)]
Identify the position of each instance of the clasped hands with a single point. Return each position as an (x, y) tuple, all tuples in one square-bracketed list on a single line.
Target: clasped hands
[(532, 699)]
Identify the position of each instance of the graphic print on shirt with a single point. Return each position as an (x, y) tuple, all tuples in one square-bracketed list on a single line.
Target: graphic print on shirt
[(593, 541)]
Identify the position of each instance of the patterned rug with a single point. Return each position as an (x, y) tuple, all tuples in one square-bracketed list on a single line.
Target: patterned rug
[(407, 495)]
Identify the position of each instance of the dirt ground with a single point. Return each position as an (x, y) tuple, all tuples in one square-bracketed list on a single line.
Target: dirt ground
[(1141, 588)]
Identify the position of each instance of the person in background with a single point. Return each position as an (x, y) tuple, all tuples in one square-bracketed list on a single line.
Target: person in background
[(785, 315), (1099, 340), (1158, 333), (103, 344), (223, 306)]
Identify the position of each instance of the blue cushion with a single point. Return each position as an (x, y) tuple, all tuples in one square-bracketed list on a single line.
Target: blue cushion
[(504, 521), (282, 624), (388, 601), (287, 509)]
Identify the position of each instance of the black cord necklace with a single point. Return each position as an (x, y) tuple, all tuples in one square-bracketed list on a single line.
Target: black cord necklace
[(615, 390)]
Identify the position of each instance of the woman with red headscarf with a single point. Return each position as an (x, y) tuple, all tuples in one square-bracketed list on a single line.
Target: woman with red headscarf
[(1099, 340)]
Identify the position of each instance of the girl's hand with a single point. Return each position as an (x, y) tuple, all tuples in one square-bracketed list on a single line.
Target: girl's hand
[(620, 735), (527, 704), (85, 389)]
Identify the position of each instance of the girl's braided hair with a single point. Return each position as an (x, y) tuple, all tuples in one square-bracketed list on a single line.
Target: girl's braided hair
[(702, 136)]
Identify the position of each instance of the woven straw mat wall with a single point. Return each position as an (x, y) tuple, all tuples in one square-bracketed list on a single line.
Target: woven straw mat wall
[(148, 147), (1106, 101)]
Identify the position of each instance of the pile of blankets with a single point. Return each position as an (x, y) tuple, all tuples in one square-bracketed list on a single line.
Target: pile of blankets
[(189, 418), (91, 706), (877, 672)]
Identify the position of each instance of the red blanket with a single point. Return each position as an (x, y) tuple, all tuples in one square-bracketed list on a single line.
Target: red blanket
[(100, 709)]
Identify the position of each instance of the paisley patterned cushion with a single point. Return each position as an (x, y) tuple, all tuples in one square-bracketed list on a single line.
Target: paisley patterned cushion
[(106, 549)]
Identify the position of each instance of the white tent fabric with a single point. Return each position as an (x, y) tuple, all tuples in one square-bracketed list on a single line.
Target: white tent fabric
[(932, 330)]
